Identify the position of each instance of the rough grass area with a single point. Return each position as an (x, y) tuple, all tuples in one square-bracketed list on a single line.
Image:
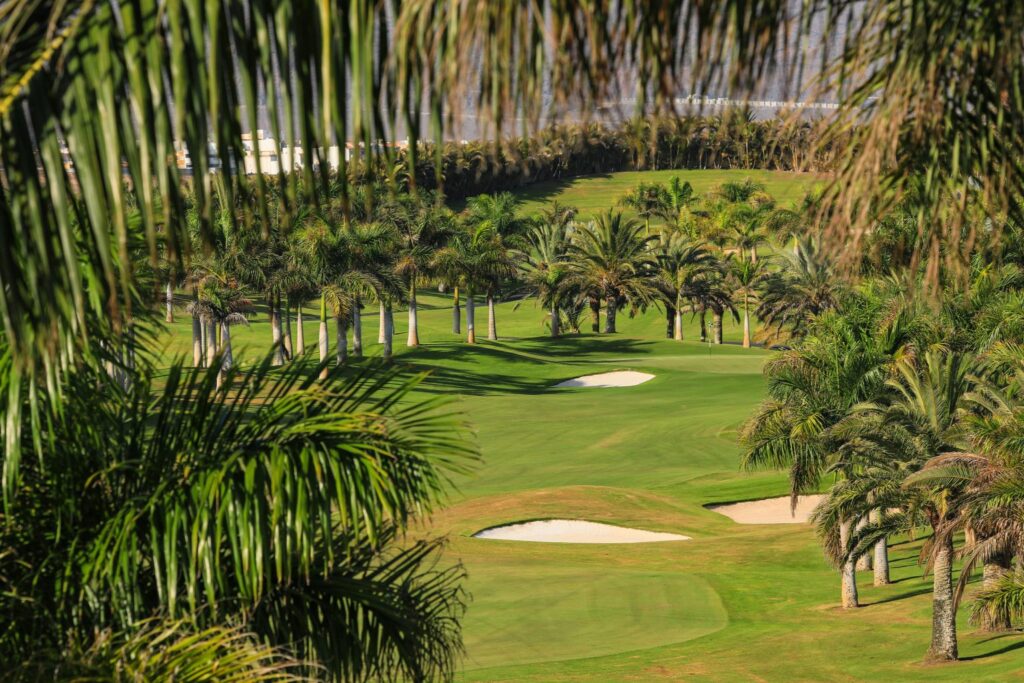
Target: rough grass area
[(735, 603)]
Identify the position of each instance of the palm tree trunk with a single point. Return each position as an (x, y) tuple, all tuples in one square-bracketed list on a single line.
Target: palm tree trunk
[(322, 343), (380, 324), (456, 313), (211, 341), (595, 314), (300, 333), (227, 358), (555, 321), (470, 319), (703, 324), (670, 320), (275, 331), (881, 555), (389, 331), (677, 318), (609, 314), (288, 349), (357, 330), (849, 582), (414, 331), (995, 569), (492, 323), (197, 335), (169, 301), (716, 325), (864, 562), (746, 324), (944, 644), (341, 338)]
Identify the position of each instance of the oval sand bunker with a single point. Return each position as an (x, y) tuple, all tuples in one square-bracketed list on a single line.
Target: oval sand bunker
[(620, 378), (574, 531), (770, 510)]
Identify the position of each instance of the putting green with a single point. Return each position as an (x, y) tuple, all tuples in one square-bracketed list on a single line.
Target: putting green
[(566, 613)]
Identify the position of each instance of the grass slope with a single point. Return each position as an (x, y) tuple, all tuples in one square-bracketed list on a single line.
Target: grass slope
[(736, 603)]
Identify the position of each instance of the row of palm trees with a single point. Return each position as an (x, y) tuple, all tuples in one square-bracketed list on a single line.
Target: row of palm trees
[(910, 403), (734, 139), (700, 258)]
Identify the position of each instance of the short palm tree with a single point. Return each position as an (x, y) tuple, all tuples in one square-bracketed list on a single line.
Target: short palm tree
[(647, 200), (611, 257), (544, 268), (805, 286)]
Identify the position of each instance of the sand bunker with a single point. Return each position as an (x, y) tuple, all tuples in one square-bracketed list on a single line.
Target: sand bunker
[(621, 378), (574, 531), (769, 510)]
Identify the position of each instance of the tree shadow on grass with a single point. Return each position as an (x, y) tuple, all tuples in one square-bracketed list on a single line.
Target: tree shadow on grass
[(903, 595), (1016, 644), (470, 377)]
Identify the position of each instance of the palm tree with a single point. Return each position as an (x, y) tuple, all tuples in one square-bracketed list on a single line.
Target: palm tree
[(929, 404), (748, 275), (805, 286), (647, 200), (209, 507), (679, 196), (610, 258), (420, 229), (682, 268), (496, 216), (543, 264), (475, 258)]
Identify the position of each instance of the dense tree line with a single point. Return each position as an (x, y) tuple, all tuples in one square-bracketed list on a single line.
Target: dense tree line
[(732, 140)]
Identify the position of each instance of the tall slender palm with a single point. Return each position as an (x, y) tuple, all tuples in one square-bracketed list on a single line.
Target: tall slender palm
[(682, 267), (544, 267), (419, 230), (476, 258), (647, 200), (748, 275), (611, 258)]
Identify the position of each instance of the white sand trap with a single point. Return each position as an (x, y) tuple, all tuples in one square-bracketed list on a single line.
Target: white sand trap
[(770, 510), (574, 531), (620, 378)]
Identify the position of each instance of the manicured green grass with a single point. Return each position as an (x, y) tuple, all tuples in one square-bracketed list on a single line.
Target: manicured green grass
[(736, 603), (593, 194)]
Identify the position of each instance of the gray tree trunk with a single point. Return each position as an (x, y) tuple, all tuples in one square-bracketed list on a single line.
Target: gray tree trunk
[(716, 326), (609, 315), (881, 555), (275, 331), (595, 314), (211, 341), (389, 331), (169, 301), (944, 644), (357, 331), (323, 346), (677, 323), (341, 343), (456, 313), (994, 570), (492, 323), (197, 342), (414, 331), (289, 350), (227, 358), (703, 325), (864, 562), (300, 333), (850, 599), (380, 324), (555, 321), (746, 324), (470, 319)]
